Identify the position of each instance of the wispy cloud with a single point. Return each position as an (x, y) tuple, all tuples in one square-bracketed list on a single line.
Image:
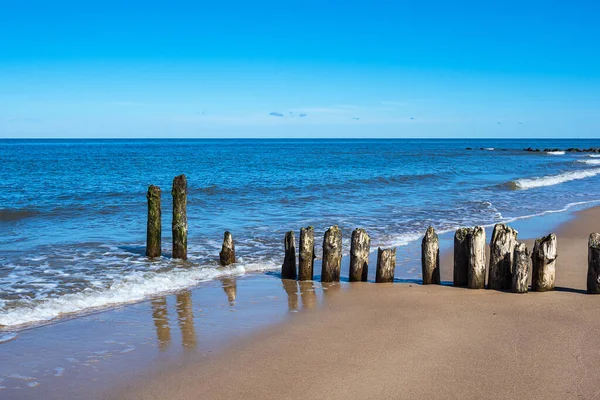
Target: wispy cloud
[(276, 114)]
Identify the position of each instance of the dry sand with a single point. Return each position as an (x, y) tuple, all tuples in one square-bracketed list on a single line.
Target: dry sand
[(402, 341)]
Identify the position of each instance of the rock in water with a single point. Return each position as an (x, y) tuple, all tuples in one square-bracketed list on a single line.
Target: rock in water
[(520, 272), (306, 254), (179, 224), (154, 227), (461, 256), (476, 271), (593, 276), (430, 257), (227, 254), (386, 265), (288, 269), (359, 255), (332, 255), (502, 246), (543, 260)]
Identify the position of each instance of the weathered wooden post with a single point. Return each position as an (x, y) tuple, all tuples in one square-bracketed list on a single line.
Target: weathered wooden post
[(227, 254), (593, 275), (543, 260), (179, 224), (386, 265), (476, 271), (430, 258), (461, 256), (520, 272), (306, 254), (332, 255), (288, 269), (502, 246), (153, 228), (360, 247)]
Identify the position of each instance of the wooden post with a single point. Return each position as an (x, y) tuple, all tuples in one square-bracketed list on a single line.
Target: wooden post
[(288, 269), (227, 254), (520, 272), (476, 271), (543, 260), (461, 256), (332, 255), (430, 258), (359, 255), (306, 254), (153, 228), (502, 246), (179, 224), (593, 276), (386, 265)]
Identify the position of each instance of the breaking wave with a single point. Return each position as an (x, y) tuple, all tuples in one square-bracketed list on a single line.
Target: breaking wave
[(551, 180)]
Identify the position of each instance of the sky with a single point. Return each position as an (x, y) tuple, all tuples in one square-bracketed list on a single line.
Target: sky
[(443, 69)]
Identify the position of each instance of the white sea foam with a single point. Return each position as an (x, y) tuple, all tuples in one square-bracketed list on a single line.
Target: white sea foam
[(555, 153), (551, 180), (594, 155), (134, 287), (589, 162)]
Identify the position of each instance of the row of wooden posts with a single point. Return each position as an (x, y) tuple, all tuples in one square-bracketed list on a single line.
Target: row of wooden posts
[(509, 264)]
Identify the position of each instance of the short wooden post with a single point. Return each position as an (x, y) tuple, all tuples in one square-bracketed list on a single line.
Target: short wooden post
[(332, 255), (288, 269), (430, 258), (154, 228), (386, 265), (476, 271), (360, 247), (520, 272), (502, 246), (179, 224), (543, 260), (593, 276), (227, 254), (461, 256), (306, 254)]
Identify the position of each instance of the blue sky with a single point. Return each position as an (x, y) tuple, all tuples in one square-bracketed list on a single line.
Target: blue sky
[(299, 69)]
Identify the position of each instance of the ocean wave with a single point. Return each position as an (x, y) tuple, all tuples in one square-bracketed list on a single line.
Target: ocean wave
[(551, 180), (555, 153), (132, 288), (589, 162), (594, 155)]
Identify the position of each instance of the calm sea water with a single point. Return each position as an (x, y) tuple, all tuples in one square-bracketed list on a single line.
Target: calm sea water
[(73, 213)]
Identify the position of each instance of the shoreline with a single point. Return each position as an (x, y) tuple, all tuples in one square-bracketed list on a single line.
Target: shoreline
[(422, 341), (202, 324)]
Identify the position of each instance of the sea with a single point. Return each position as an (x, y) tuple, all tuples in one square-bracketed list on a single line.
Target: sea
[(73, 212)]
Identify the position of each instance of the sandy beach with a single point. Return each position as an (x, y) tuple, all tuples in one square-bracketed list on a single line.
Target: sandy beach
[(406, 340)]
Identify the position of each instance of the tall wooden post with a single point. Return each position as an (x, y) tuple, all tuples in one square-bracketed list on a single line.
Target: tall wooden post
[(154, 228), (520, 273), (461, 256), (543, 261), (288, 269), (386, 265), (227, 254), (593, 275), (430, 258), (360, 247), (306, 254), (502, 246), (179, 224), (476, 272), (332, 255)]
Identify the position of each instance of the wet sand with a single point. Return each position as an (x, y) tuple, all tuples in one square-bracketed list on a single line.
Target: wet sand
[(410, 341)]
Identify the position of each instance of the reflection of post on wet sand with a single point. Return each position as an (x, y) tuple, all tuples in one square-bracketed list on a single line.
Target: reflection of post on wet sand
[(308, 294), (230, 288), (291, 288), (161, 322), (185, 316), (331, 289)]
